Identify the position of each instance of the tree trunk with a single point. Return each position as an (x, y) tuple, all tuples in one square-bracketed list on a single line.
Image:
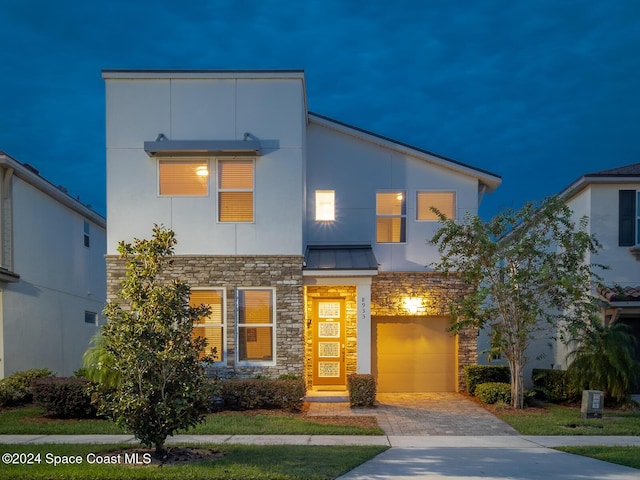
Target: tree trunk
[(160, 452), (517, 383)]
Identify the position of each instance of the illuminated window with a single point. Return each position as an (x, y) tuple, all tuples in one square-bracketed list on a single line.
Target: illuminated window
[(235, 190), (443, 201), (183, 178), (391, 221), (211, 328), (325, 205), (256, 325)]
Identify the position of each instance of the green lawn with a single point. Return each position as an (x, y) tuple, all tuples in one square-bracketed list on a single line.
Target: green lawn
[(563, 420), (289, 462), (628, 456), (29, 420)]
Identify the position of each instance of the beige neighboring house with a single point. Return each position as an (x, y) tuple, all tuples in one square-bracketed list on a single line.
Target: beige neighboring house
[(306, 235), (52, 272)]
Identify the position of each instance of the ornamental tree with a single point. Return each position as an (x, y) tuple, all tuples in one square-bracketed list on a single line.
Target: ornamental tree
[(148, 337), (529, 275)]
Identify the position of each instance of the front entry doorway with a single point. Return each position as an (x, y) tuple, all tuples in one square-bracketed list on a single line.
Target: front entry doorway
[(329, 344)]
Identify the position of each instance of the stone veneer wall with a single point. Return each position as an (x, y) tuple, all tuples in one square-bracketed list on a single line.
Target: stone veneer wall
[(348, 292), (229, 272), (389, 290)]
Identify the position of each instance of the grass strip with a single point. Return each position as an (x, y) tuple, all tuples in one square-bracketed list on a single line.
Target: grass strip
[(29, 421), (563, 420), (273, 462), (627, 456)]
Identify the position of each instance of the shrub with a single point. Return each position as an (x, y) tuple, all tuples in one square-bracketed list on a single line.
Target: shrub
[(477, 374), (494, 392), (257, 393), (552, 385), (64, 397), (362, 390), (16, 388)]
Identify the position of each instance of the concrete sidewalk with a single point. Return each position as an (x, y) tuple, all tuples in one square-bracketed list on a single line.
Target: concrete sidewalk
[(395, 441)]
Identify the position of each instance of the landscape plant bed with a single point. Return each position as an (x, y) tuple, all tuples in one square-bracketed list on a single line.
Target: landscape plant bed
[(208, 462)]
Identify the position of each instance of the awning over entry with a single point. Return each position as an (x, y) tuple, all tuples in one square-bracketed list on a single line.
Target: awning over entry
[(333, 259)]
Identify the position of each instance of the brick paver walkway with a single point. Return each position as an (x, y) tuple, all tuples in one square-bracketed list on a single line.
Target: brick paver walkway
[(423, 414)]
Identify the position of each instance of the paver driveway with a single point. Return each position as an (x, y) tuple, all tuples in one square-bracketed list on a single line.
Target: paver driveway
[(423, 414)]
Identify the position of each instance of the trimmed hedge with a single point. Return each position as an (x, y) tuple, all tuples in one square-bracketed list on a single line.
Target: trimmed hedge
[(257, 393), (476, 374), (362, 390), (494, 392), (552, 385), (16, 388), (64, 397)]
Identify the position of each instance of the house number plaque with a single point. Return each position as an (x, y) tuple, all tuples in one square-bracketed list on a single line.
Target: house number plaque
[(329, 329), (328, 369), (329, 349)]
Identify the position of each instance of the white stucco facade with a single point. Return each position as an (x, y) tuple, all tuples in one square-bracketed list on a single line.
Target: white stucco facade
[(57, 278)]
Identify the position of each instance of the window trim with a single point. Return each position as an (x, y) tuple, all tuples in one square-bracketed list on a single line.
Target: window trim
[(178, 160), (628, 217), (454, 209), (273, 325), (223, 325), (402, 216), (220, 190)]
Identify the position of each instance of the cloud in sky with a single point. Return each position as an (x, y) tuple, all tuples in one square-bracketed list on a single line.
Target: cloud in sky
[(538, 92)]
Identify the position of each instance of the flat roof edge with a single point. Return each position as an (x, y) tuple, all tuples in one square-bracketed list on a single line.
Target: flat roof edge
[(231, 74)]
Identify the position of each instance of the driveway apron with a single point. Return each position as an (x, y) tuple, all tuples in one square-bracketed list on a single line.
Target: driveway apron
[(414, 414)]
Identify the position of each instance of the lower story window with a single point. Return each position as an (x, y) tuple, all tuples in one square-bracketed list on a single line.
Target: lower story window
[(256, 325), (212, 327)]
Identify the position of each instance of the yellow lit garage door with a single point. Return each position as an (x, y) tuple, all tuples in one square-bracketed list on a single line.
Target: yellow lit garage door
[(415, 354)]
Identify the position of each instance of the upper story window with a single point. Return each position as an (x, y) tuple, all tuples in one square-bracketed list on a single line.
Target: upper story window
[(211, 328), (256, 325), (235, 190), (325, 205), (445, 202), (391, 217), (183, 177), (628, 218), (87, 234)]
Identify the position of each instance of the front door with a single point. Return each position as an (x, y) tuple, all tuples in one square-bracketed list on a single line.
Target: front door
[(329, 343)]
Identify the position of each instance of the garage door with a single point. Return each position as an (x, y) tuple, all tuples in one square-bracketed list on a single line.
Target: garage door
[(414, 354)]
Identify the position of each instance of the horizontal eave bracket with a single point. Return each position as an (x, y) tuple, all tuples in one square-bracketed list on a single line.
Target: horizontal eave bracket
[(198, 148)]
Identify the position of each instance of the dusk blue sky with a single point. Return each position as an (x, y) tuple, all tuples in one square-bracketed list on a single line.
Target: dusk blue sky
[(536, 91)]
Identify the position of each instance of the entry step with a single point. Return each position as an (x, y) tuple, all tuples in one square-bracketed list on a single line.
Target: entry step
[(326, 397)]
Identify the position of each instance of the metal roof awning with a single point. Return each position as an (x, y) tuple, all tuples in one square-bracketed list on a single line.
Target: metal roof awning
[(163, 147), (340, 260), (8, 276)]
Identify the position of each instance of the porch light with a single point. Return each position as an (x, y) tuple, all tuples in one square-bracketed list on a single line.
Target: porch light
[(411, 304), (325, 205)]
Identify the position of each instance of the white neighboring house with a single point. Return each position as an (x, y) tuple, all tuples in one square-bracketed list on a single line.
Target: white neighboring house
[(52, 272), (306, 236), (610, 199)]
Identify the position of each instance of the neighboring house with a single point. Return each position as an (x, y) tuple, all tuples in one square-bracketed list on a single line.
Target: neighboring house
[(52, 273), (308, 237), (611, 201)]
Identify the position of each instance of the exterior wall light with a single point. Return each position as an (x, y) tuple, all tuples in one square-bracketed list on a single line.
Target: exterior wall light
[(411, 304)]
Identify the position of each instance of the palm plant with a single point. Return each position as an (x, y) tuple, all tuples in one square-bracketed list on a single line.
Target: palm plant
[(604, 360), (97, 362)]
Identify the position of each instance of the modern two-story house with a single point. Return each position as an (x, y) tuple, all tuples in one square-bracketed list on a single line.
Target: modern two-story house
[(52, 272), (307, 237)]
